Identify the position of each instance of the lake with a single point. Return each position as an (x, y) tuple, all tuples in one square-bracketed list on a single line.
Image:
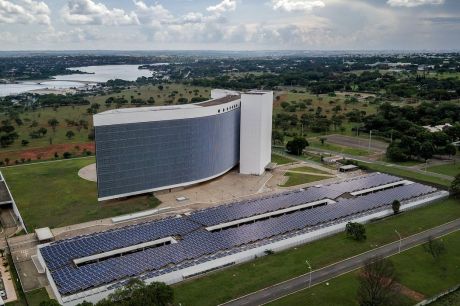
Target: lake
[(105, 73), (97, 74)]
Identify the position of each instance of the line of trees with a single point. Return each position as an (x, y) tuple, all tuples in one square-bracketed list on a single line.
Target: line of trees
[(134, 293)]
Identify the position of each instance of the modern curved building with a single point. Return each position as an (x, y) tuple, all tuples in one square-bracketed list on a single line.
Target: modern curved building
[(140, 150)]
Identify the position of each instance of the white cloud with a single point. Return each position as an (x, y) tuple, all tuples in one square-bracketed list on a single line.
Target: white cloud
[(222, 7), (25, 12), (88, 12), (296, 5), (414, 3), (151, 14)]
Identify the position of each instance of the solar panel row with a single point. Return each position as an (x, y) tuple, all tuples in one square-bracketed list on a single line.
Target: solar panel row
[(198, 245)]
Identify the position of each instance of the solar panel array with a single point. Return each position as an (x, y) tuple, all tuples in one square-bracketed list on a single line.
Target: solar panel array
[(363, 182), (196, 245), (63, 252)]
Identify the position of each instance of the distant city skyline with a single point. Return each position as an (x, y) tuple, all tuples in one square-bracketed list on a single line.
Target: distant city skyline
[(229, 25)]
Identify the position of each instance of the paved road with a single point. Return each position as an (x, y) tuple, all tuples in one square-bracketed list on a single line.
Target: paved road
[(318, 276)]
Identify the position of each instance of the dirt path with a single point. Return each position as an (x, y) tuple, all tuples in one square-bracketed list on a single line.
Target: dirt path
[(414, 295)]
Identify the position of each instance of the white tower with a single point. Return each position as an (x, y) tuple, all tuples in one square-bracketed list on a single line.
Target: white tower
[(256, 131)]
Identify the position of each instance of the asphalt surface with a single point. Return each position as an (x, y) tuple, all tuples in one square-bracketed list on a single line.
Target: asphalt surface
[(277, 291)]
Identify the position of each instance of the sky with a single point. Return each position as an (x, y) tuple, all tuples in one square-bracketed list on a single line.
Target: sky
[(229, 25)]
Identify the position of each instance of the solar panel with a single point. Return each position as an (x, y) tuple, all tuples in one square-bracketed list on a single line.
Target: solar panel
[(197, 245)]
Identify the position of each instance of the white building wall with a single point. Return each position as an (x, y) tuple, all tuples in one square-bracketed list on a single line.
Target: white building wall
[(256, 131), (220, 93)]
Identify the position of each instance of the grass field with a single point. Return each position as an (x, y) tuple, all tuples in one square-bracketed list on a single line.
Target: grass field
[(323, 101), (242, 279), (300, 178), (415, 268), (441, 76), (408, 174), (309, 169), (408, 163), (52, 194), (170, 92), (339, 291), (315, 143), (281, 160), (34, 298), (450, 169)]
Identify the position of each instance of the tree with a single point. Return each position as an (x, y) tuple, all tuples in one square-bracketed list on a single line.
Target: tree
[(137, 292), (24, 142), (455, 186), (91, 135), (70, 134), (377, 283), (426, 150), (356, 231), (53, 123), (434, 247), (450, 150), (50, 303), (278, 137), (395, 153), (396, 206), (85, 303), (42, 131), (296, 145), (323, 140)]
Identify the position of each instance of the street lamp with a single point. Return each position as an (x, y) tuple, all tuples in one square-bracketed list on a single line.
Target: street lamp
[(370, 140), (399, 248), (309, 267)]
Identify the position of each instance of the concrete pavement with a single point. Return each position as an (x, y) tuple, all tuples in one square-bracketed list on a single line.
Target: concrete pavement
[(291, 286)]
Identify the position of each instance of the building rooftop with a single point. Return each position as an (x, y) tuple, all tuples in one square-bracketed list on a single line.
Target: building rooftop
[(219, 101)]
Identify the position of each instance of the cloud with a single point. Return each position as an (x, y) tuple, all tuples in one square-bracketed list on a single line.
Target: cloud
[(24, 12), (151, 14), (413, 3), (222, 7), (296, 5), (444, 19), (87, 12)]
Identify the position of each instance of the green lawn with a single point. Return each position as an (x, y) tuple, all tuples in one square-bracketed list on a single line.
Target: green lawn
[(415, 268), (309, 169), (450, 169), (52, 194), (34, 298), (408, 163), (315, 143), (281, 160), (407, 174), (299, 179), (339, 291), (242, 279)]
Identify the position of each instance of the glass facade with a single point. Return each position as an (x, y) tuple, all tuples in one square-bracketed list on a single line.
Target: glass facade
[(137, 157)]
